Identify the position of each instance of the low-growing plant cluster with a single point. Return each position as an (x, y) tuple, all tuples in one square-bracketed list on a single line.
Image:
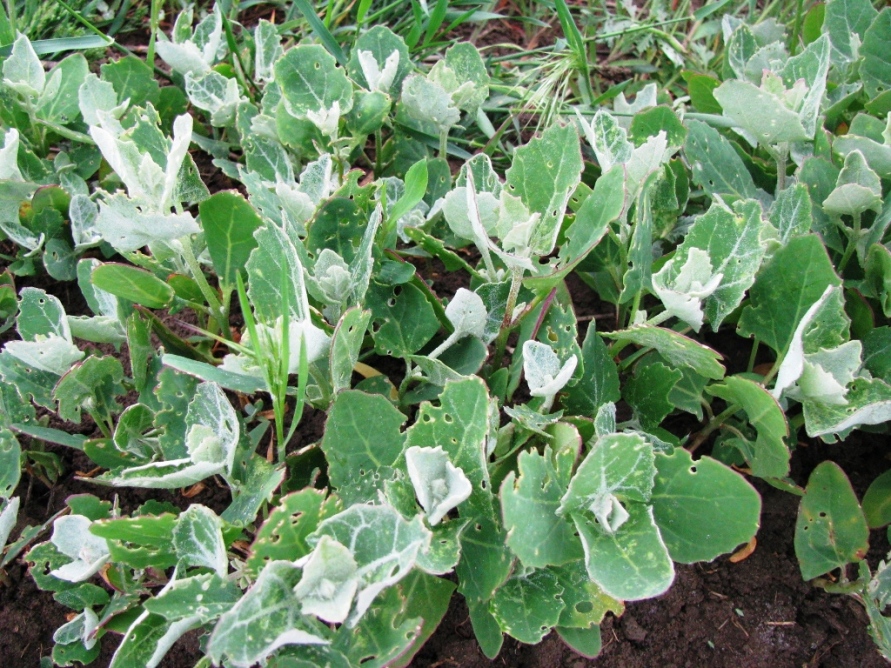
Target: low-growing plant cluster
[(477, 441)]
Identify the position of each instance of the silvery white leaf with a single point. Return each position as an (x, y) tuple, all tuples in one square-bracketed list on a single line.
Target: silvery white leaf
[(544, 375), (9, 157), (793, 363), (332, 276), (185, 58), (143, 177), (319, 179), (300, 332), (457, 214), (695, 281), (82, 628), (608, 139), (439, 484), (83, 212), (215, 94), (610, 512), (377, 78), (127, 228), (646, 159), (7, 519), (645, 99), (22, 70), (212, 427), (329, 581), (467, 313), (208, 35), (72, 537), (98, 104), (326, 120), (427, 101), (268, 50), (179, 148), (857, 189), (827, 374), (22, 236), (52, 353)]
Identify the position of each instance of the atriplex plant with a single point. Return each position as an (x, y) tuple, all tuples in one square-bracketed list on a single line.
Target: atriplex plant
[(551, 509)]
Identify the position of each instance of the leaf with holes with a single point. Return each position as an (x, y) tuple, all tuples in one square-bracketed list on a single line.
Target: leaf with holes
[(402, 320), (831, 531), (702, 508), (527, 606), (358, 458)]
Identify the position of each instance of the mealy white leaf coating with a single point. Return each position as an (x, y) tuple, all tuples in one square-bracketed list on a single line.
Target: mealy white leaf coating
[(439, 484), (72, 537), (544, 374)]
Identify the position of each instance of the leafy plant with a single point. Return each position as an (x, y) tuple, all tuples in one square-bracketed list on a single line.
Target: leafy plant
[(541, 470)]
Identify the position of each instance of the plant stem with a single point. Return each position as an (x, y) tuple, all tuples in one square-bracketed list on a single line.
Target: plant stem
[(219, 315), (713, 424), (852, 243), (153, 31), (753, 355), (507, 322)]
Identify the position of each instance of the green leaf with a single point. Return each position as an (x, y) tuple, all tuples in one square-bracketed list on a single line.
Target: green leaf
[(831, 531), (700, 88), (254, 485), (794, 278), (877, 352), (359, 458), (524, 606), (877, 502), (648, 392), (875, 68), (198, 540), (214, 374), (585, 604), (133, 284), (415, 187), (93, 385), (132, 78), (40, 315), (544, 173), (59, 101), (283, 534), (599, 383), (633, 563), (584, 641), (603, 206), (229, 223), (427, 598), (702, 508), (529, 503), (717, 168), (51, 435), (843, 19), (311, 81), (267, 617), (460, 425), (30, 381), (139, 542), (791, 212), (207, 596), (402, 320), (857, 189), (651, 122), (676, 348), (10, 464), (768, 456)]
